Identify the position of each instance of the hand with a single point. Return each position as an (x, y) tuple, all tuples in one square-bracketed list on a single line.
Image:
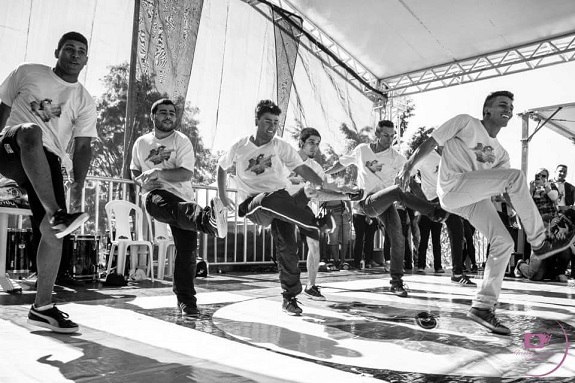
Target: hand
[(76, 196), (149, 180)]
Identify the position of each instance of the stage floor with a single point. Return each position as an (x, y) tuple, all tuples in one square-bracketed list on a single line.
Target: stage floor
[(361, 333)]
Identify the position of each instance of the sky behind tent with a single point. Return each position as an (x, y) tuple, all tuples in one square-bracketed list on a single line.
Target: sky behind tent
[(214, 83)]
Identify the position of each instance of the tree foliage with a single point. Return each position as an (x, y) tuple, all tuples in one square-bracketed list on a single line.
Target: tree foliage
[(111, 106)]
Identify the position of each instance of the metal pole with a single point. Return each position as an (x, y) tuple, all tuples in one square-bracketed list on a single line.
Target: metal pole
[(131, 102)]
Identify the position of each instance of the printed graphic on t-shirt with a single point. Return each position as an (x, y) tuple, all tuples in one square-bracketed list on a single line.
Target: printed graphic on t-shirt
[(484, 153), (373, 166), (45, 110), (259, 164), (159, 155)]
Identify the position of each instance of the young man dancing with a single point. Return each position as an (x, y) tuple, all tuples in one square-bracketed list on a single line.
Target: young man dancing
[(43, 110), (474, 166), (163, 164), (263, 164), (378, 163)]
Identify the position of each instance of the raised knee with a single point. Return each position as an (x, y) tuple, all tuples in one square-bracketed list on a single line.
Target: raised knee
[(29, 135)]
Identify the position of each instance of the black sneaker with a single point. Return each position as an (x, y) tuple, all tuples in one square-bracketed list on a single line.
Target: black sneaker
[(561, 236), (326, 223), (439, 215), (188, 309), (290, 306), (65, 223), (52, 319), (463, 280), (398, 289), (440, 271), (356, 195), (314, 293), (487, 318), (474, 269), (218, 218)]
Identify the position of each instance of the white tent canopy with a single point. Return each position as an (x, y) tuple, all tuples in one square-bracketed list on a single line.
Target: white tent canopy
[(406, 44)]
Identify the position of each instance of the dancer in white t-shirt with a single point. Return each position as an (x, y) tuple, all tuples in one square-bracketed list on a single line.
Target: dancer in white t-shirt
[(263, 165), (43, 111), (163, 164), (377, 166), (474, 166)]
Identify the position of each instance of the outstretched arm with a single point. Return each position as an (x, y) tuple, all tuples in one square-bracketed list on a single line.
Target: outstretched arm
[(222, 183), (420, 153), (81, 162)]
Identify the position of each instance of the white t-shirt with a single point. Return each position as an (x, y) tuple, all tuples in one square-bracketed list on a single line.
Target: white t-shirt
[(429, 169), (375, 171), (292, 188), (561, 190), (263, 168), (467, 147), (68, 110), (172, 152)]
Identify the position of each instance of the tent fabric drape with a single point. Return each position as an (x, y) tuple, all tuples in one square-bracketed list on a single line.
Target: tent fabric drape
[(168, 31), (286, 58)]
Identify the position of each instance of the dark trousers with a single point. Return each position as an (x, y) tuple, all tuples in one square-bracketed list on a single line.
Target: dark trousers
[(379, 205), (283, 212), (455, 229), (405, 226), (427, 227), (469, 246), (185, 219), (364, 233)]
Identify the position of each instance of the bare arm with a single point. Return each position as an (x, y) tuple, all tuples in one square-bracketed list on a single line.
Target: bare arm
[(222, 187), (4, 114), (81, 159), (309, 175), (420, 153)]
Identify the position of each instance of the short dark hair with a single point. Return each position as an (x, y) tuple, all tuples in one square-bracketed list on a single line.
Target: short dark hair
[(385, 124), (491, 96), (72, 36), (307, 133), (561, 165), (162, 101), (267, 106)]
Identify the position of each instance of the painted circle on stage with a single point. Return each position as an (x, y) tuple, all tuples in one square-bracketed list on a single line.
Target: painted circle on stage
[(382, 332)]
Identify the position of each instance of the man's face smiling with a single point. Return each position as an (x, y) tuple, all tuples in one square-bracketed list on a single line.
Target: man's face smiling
[(500, 111), (268, 125), (311, 146), (165, 118), (561, 173)]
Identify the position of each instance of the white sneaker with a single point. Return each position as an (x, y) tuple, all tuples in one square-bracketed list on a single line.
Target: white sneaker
[(219, 217)]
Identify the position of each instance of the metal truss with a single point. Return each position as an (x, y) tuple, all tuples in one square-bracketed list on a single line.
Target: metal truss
[(535, 55), (337, 52)]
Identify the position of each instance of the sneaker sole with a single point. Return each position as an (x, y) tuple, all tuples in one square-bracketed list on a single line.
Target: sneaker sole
[(221, 218), (60, 330), (555, 251), (487, 325), (313, 297), (291, 313), (464, 284), (75, 224)]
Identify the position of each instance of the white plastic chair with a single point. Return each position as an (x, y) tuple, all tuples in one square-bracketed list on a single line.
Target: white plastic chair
[(162, 237), (120, 212)]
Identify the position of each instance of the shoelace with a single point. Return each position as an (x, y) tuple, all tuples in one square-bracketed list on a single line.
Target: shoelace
[(491, 318), (61, 315)]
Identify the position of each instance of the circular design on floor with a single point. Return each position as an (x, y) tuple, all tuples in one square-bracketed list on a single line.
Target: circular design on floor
[(379, 331)]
